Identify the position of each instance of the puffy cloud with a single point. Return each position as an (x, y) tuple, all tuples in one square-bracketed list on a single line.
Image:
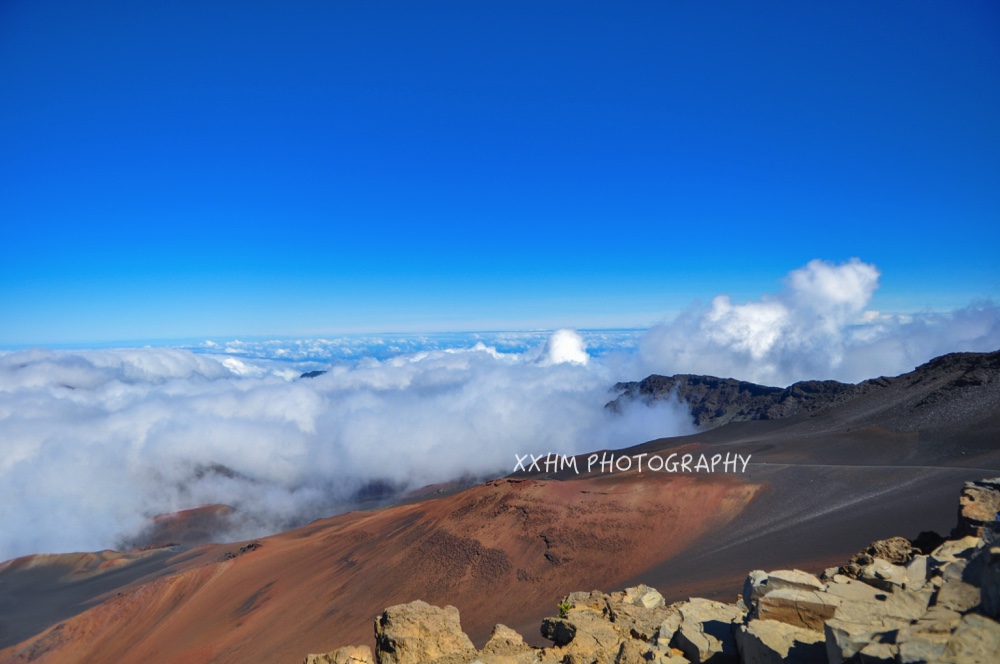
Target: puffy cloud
[(817, 327), (96, 442), (565, 346)]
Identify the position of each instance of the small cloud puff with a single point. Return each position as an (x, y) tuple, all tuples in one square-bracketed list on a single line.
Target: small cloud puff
[(565, 346)]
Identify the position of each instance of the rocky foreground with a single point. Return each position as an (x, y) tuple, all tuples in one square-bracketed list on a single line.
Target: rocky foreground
[(927, 600)]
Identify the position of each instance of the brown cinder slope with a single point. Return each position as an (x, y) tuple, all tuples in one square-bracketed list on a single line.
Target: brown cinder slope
[(505, 548)]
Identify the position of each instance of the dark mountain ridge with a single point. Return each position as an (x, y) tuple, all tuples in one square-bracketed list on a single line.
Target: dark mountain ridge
[(717, 401)]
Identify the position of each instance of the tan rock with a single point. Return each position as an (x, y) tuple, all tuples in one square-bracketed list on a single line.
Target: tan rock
[(887, 610), (505, 646), (644, 596), (706, 631), (801, 608), (583, 637), (952, 550), (990, 588), (879, 653), (345, 655), (883, 574), (754, 588), (792, 578), (772, 642), (977, 640), (418, 633), (845, 639), (637, 612), (956, 592), (916, 573), (924, 640), (978, 505), (850, 589)]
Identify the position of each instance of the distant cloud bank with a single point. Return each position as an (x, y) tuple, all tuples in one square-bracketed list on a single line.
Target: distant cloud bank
[(95, 442), (818, 326)]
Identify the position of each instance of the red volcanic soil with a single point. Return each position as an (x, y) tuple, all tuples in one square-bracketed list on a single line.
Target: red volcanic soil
[(504, 551)]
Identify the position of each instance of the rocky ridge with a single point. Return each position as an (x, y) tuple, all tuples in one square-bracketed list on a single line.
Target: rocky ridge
[(716, 401), (927, 600)]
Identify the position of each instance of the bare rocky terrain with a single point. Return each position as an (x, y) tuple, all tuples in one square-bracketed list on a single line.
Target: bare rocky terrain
[(929, 600)]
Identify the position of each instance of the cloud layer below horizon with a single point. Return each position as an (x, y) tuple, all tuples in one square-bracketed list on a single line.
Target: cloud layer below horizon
[(95, 442)]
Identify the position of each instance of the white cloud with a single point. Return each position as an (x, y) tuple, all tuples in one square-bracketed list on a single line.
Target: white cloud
[(96, 442), (565, 346), (818, 327)]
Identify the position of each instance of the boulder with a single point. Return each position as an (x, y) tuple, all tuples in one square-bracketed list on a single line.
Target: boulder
[(559, 631), (630, 613), (977, 639), (792, 578), (978, 506), (644, 596), (878, 652), (772, 642), (418, 633), (990, 580), (924, 640), (894, 550), (505, 646), (802, 608), (706, 631), (586, 601), (887, 610), (916, 573), (583, 637), (955, 592), (845, 639), (754, 588), (962, 549)]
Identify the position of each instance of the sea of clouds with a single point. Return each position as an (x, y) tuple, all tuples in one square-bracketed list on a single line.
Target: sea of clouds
[(95, 442)]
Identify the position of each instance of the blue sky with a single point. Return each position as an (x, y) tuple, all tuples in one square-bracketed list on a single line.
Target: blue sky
[(186, 168)]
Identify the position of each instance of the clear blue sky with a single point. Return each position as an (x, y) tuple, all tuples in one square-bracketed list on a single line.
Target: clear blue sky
[(174, 169)]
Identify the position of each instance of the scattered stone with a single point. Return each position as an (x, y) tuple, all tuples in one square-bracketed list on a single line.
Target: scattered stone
[(243, 550)]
